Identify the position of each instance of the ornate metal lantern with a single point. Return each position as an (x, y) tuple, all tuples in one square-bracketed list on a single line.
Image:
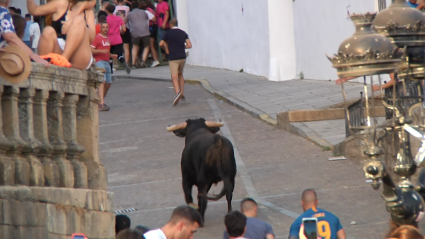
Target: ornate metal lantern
[(397, 46)]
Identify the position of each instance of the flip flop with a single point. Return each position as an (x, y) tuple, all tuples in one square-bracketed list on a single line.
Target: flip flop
[(57, 60)]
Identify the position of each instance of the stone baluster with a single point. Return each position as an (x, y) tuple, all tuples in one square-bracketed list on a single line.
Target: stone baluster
[(26, 126), (55, 124), (51, 170), (11, 131), (88, 136), (7, 166), (73, 150)]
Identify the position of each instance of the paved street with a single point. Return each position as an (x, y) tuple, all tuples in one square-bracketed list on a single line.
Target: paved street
[(274, 166)]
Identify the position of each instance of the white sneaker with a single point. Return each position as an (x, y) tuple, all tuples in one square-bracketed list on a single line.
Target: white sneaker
[(155, 63)]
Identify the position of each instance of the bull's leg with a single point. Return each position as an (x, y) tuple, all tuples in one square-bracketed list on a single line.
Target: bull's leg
[(229, 195), (202, 201), (187, 189)]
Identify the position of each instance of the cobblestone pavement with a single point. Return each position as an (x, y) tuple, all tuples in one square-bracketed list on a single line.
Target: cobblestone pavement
[(143, 163), (268, 98)]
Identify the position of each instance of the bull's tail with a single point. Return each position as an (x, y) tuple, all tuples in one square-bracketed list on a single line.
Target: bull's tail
[(219, 156)]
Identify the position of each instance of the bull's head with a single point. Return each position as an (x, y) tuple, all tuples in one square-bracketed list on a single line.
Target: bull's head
[(193, 124)]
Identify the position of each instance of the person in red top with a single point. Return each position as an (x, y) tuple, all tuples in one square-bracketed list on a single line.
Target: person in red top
[(153, 28), (100, 48), (163, 15), (100, 20)]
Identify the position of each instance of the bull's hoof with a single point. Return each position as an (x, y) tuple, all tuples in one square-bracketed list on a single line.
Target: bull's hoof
[(194, 206)]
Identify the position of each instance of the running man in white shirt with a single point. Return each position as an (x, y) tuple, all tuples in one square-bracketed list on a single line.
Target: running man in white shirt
[(183, 224)]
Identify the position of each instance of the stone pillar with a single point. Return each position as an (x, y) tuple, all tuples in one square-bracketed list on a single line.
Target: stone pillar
[(11, 131), (55, 125), (7, 167), (74, 150), (51, 170), (26, 126), (88, 136)]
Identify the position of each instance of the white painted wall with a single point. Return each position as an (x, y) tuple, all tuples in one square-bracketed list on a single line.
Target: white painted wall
[(22, 4), (225, 37), (282, 40), (320, 27)]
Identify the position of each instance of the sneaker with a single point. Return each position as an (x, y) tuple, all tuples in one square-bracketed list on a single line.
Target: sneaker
[(127, 68), (133, 67), (155, 63), (183, 98), (143, 64), (103, 107), (176, 100)]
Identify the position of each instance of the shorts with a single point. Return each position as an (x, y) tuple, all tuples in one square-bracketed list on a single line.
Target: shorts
[(107, 75), (176, 67), (117, 49), (141, 40), (154, 31), (126, 37), (61, 43), (161, 33)]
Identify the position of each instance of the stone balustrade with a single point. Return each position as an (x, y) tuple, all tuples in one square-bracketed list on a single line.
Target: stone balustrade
[(49, 145), (49, 133)]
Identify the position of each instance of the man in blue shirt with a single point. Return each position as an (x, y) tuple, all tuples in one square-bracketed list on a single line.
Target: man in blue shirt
[(26, 39), (414, 4), (255, 228), (328, 225)]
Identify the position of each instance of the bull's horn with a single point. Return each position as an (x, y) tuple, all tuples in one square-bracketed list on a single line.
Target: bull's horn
[(176, 127), (214, 124)]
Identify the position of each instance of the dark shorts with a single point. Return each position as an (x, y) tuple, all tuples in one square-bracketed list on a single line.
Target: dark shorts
[(126, 37), (154, 31), (117, 49), (141, 41)]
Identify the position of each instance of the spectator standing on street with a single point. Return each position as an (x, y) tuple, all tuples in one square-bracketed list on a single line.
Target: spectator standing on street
[(235, 223), (116, 27), (175, 42), (255, 228), (102, 10), (18, 11), (153, 28), (138, 20), (100, 20), (27, 39), (163, 16), (35, 34), (12, 10), (130, 234), (122, 222), (328, 225), (126, 36), (100, 48), (183, 224)]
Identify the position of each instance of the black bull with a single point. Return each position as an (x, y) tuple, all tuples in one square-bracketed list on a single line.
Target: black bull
[(207, 159)]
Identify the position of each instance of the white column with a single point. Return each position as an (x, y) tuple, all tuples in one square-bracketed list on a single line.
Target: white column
[(282, 40)]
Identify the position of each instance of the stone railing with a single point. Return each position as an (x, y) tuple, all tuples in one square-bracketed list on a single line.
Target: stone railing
[(49, 140)]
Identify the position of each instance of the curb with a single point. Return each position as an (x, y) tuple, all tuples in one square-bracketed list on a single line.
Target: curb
[(302, 131), (218, 94)]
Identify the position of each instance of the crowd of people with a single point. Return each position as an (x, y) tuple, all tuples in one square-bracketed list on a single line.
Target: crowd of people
[(244, 224), (125, 31)]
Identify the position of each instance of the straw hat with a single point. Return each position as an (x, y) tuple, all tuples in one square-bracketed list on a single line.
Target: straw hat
[(15, 64)]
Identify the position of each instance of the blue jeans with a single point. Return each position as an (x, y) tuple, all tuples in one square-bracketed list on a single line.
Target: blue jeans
[(28, 43), (107, 75)]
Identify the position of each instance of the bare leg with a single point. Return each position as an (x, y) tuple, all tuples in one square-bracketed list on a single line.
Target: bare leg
[(153, 50), (181, 83), (175, 79), (77, 48), (134, 54), (101, 94), (127, 53), (107, 86), (48, 42), (145, 53)]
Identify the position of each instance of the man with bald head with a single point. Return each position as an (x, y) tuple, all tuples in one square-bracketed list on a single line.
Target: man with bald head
[(255, 228), (328, 225)]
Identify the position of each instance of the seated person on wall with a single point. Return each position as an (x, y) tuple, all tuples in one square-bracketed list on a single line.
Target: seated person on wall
[(72, 30), (416, 4), (8, 35)]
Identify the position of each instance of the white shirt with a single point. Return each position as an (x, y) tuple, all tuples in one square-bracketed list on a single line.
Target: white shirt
[(155, 234), (35, 33), (150, 16)]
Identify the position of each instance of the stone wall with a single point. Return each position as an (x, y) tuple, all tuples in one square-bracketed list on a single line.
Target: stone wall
[(52, 183)]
